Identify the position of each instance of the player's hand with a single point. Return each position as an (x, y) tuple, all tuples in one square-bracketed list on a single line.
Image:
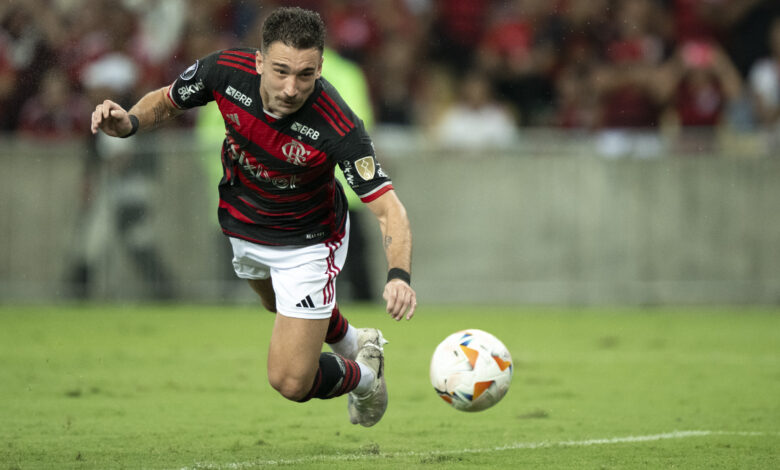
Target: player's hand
[(112, 119), (401, 299)]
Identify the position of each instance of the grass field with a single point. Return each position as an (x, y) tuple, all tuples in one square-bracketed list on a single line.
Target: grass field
[(184, 387)]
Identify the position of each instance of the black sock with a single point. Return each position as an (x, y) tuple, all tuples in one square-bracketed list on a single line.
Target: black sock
[(335, 377)]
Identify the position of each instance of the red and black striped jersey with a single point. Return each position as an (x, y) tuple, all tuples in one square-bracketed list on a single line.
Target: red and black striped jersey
[(278, 185)]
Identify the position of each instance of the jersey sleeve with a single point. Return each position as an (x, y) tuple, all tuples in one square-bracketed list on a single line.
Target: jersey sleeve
[(362, 171), (194, 86)]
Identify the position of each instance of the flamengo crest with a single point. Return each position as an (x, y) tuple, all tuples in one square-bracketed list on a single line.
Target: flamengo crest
[(295, 153)]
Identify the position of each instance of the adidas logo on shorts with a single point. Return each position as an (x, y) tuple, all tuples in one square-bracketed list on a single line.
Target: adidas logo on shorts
[(306, 303)]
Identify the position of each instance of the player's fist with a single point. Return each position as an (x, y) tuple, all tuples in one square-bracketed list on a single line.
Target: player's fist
[(112, 119), (401, 299)]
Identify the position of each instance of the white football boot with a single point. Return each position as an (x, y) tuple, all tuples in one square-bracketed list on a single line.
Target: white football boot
[(368, 408)]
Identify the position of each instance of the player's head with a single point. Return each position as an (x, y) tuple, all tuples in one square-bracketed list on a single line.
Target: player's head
[(290, 58), (294, 27)]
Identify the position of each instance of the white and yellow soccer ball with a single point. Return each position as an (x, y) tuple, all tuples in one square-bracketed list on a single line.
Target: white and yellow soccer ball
[(471, 370)]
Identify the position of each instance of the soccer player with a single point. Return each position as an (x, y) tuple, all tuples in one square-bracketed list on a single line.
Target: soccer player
[(285, 215)]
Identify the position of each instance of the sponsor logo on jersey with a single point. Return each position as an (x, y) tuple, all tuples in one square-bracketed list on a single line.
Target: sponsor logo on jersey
[(295, 153), (238, 96), (347, 170), (190, 72), (260, 172), (365, 167), (305, 130), (188, 90)]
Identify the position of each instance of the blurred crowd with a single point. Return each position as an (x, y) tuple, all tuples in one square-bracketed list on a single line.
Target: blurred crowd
[(468, 71), (469, 74)]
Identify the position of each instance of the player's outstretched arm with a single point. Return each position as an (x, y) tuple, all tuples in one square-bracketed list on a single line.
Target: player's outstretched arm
[(150, 111), (397, 240)]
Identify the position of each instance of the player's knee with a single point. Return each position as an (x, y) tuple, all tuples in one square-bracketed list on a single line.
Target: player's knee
[(291, 388)]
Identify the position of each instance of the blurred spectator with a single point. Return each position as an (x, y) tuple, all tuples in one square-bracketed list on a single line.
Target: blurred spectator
[(434, 95), (476, 121), (7, 83), (694, 20), (157, 35), (707, 82), (56, 111), (393, 76), (393, 69), (764, 83), (24, 55), (627, 83), (585, 32), (102, 28), (518, 51), (743, 27), (626, 80), (352, 29), (576, 104), (703, 83), (457, 28)]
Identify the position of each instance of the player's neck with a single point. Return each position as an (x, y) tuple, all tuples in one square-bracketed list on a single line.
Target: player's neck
[(271, 116)]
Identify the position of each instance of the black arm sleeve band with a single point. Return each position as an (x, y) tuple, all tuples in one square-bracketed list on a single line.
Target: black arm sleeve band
[(398, 273), (134, 122)]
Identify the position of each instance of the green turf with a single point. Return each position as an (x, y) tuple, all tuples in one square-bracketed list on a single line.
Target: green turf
[(108, 387)]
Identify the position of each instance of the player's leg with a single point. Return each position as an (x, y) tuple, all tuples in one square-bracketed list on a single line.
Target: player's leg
[(249, 264), (294, 359), (265, 289), (308, 292), (303, 294), (306, 312), (299, 371), (341, 336), (293, 355)]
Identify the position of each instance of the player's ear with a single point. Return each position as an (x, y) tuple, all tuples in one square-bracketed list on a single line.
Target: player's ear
[(318, 73), (259, 62)]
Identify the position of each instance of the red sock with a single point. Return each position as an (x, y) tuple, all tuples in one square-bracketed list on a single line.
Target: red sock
[(337, 327)]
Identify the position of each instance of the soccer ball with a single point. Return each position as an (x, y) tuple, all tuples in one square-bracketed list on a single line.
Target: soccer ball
[(471, 370)]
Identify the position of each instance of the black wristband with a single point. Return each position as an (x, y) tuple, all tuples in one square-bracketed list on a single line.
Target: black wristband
[(135, 123), (398, 273)]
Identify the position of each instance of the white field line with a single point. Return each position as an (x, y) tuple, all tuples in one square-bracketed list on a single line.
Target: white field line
[(514, 446)]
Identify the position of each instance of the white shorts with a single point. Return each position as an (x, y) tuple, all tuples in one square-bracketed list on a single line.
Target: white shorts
[(303, 277)]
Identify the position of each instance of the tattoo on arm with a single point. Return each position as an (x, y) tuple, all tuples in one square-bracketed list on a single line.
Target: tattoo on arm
[(388, 240)]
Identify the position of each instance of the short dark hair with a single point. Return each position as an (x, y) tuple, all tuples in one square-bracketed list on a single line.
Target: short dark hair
[(294, 27)]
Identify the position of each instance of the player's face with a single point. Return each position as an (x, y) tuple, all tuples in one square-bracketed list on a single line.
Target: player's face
[(288, 76)]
